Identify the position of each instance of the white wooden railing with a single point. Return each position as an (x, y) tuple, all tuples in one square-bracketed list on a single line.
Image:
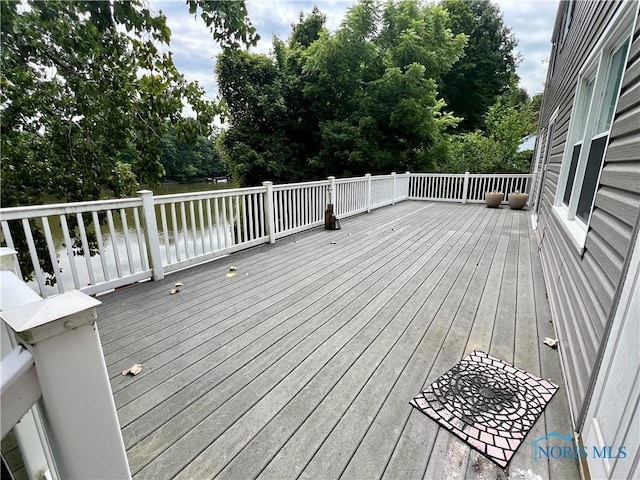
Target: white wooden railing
[(299, 206), (43, 340), (122, 259), (466, 187), (195, 227), (136, 239)]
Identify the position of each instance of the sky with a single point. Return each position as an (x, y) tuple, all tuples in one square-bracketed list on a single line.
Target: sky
[(194, 50)]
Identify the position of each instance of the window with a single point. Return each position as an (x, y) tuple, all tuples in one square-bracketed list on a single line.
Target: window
[(568, 16), (592, 115), (587, 96), (601, 137)]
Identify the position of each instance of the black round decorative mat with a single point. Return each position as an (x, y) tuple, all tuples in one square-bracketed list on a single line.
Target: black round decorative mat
[(488, 403)]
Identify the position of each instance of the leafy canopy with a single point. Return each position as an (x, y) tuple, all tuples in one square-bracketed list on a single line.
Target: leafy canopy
[(361, 99), (488, 68), (87, 95), (511, 119)]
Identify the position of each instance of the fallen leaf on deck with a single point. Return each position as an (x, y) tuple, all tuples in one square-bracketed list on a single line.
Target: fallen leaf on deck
[(174, 291), (552, 342), (233, 269), (231, 274), (334, 243), (136, 369), (178, 284)]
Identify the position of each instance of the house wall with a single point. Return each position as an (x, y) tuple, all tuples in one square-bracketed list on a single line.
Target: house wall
[(581, 285)]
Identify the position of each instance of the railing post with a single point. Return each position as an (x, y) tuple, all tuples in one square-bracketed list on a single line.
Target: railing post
[(78, 406), (151, 233), (465, 188), (408, 175), (269, 212), (29, 432), (332, 192), (393, 188), (368, 193), (531, 189)]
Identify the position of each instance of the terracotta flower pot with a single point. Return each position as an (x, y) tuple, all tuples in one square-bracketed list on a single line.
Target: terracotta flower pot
[(517, 200), (493, 199)]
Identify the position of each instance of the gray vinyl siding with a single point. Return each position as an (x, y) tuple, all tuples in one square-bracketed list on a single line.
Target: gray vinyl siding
[(581, 288)]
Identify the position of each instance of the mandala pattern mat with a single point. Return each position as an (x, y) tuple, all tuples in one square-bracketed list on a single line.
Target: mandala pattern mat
[(488, 403)]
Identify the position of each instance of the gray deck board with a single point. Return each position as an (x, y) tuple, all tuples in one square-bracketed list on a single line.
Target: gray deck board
[(303, 364)]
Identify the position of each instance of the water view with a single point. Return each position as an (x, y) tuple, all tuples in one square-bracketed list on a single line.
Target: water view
[(117, 241)]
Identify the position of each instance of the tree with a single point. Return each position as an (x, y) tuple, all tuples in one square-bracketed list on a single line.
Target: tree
[(84, 87), (362, 99), (186, 160), (374, 85), (251, 85), (87, 97), (488, 68), (508, 122)]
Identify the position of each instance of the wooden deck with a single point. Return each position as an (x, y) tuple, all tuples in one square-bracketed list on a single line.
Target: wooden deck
[(303, 364)]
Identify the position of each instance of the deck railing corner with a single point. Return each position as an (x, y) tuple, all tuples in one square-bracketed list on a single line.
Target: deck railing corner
[(269, 211), (151, 233)]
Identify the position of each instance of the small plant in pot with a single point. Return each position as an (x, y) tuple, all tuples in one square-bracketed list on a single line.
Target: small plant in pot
[(493, 199), (517, 200)]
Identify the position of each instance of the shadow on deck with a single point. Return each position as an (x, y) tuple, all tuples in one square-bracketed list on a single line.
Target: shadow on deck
[(304, 363)]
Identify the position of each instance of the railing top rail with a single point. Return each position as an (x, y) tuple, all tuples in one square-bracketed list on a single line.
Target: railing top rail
[(352, 180), (448, 175), (34, 211), (500, 175), (286, 186), (473, 175), (182, 197), (381, 177)]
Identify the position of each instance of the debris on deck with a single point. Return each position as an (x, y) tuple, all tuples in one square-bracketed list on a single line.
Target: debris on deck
[(523, 474), (551, 342), (133, 371)]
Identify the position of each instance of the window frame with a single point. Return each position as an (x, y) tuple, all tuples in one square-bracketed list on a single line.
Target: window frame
[(567, 20), (598, 65)]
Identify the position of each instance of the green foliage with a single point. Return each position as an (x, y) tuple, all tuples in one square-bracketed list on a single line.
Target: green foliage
[(308, 28), (508, 121), (227, 20), (86, 98), (362, 99), (187, 159), (488, 68), (85, 87), (252, 87)]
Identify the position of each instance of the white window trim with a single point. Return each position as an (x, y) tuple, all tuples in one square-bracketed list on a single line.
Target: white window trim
[(543, 159), (620, 28), (576, 228)]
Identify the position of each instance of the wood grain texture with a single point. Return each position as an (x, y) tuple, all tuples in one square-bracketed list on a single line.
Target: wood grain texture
[(305, 367)]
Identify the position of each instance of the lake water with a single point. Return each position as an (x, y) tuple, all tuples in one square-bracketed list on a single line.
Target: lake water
[(123, 245)]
